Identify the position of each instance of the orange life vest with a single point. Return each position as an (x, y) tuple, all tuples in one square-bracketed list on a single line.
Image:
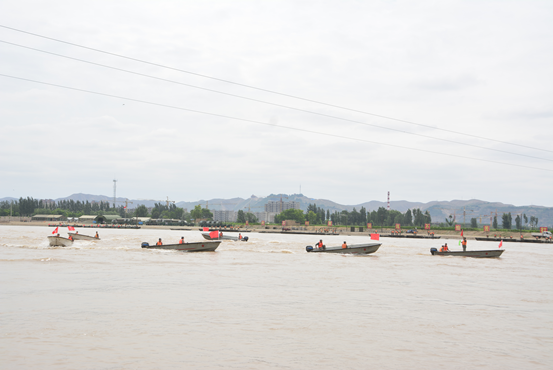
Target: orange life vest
[(159, 243), (181, 241), (344, 245)]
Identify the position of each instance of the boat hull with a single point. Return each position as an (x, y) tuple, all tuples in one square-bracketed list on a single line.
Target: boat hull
[(494, 253), (58, 241), (364, 248), (209, 246), (82, 237), (224, 237)]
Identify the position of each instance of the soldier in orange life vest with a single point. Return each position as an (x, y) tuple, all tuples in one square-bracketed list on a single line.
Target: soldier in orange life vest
[(97, 236), (464, 244), (70, 237), (159, 242), (320, 244), (181, 241), (344, 245), (239, 236)]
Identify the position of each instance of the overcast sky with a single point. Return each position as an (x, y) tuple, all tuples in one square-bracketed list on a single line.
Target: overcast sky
[(464, 71)]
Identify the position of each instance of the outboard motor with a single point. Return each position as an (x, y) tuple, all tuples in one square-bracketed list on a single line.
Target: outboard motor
[(433, 250), (145, 244), (245, 238), (309, 248)]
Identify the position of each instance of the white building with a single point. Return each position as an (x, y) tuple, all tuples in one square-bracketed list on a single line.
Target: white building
[(280, 206), (268, 217), (224, 216)]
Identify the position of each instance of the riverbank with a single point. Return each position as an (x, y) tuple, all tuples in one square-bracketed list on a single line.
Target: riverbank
[(313, 230)]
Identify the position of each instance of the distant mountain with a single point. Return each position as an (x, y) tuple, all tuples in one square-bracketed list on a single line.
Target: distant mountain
[(439, 210)]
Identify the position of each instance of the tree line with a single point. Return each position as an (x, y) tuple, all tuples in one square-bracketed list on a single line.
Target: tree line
[(381, 217), (27, 207)]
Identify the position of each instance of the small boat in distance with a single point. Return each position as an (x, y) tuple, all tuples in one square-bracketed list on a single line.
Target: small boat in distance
[(59, 241), (188, 247), (363, 248), (77, 236), (477, 254), (214, 235)]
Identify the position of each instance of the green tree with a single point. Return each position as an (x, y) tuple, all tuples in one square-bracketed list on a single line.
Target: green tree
[(427, 217), (291, 214), (494, 224), (312, 217), (408, 218), (420, 218), (206, 213), (507, 221), (250, 217), (141, 211), (473, 223), (381, 216), (196, 213), (241, 217), (518, 222)]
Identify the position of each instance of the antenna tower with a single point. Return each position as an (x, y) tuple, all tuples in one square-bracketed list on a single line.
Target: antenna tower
[(114, 192), (388, 201)]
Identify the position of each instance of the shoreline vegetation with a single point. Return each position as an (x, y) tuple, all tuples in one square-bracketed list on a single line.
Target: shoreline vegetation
[(342, 230)]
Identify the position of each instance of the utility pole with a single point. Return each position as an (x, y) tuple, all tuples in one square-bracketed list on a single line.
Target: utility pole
[(388, 201), (114, 192)]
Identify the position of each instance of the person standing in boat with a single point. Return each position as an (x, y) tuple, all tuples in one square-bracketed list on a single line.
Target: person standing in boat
[(97, 236), (464, 244), (344, 246), (181, 241), (239, 236), (159, 242)]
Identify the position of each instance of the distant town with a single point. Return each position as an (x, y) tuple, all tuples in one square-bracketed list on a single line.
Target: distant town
[(275, 208)]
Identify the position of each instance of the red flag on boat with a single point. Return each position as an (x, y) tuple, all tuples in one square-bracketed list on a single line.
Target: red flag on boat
[(70, 228), (206, 228), (55, 231), (214, 234), (500, 244), (461, 232), (375, 236)]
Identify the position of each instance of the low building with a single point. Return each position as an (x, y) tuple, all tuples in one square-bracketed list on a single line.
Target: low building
[(87, 219), (107, 219), (48, 218)]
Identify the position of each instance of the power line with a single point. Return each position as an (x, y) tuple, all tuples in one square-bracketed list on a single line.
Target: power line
[(269, 103), (269, 124), (274, 92)]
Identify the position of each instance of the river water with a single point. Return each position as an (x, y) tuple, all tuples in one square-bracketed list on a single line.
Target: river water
[(268, 304)]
